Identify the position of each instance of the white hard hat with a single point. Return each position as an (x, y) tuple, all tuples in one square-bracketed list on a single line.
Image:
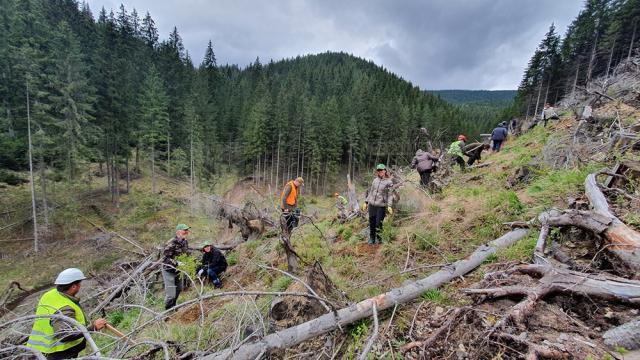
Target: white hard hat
[(68, 276)]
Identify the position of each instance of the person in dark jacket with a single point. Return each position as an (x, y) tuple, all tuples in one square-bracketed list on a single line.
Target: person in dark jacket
[(474, 151), (213, 264), (498, 135), (424, 162)]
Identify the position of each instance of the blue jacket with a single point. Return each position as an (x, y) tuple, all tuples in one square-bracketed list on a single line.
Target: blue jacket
[(499, 133)]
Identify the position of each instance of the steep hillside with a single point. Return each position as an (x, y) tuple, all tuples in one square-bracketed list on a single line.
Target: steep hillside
[(428, 232)]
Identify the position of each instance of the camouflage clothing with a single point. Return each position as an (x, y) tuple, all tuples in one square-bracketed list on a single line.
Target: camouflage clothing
[(174, 248)]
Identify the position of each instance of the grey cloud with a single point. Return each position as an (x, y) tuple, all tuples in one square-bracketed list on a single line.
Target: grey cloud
[(437, 44)]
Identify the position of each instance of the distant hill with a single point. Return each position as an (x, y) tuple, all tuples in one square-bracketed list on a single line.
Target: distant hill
[(475, 96)]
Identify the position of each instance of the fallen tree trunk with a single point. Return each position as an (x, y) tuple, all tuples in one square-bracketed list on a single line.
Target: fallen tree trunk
[(327, 322), (553, 280), (620, 240)]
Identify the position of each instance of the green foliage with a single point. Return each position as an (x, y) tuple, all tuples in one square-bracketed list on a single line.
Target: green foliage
[(232, 258), (505, 201), (281, 283), (436, 296), (189, 264), (389, 232)]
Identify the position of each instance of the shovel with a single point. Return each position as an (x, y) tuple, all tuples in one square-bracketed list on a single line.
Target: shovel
[(119, 333)]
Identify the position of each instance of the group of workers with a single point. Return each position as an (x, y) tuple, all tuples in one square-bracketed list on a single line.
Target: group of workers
[(58, 339)]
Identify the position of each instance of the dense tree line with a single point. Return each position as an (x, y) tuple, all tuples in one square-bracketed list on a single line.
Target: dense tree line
[(486, 97), (604, 34), (107, 90)]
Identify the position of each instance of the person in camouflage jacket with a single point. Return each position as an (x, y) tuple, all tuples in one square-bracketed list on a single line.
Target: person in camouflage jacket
[(170, 275)]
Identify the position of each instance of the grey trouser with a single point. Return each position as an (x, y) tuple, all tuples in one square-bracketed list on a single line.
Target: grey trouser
[(172, 288)]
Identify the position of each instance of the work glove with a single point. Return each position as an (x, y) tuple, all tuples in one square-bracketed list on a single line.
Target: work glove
[(180, 263), (389, 210), (200, 272), (364, 207)]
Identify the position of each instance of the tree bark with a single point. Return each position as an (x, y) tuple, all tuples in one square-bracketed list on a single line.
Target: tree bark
[(621, 240), (327, 322), (33, 185)]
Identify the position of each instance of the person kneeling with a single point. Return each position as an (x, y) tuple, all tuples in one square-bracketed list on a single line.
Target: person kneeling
[(213, 264)]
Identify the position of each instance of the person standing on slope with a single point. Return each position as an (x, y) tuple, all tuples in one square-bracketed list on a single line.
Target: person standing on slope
[(54, 337), (456, 150), (378, 200), (498, 135), (289, 203), (424, 162), (170, 275), (549, 113)]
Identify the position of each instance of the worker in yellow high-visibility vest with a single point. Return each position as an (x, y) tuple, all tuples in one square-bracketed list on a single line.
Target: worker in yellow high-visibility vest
[(53, 337)]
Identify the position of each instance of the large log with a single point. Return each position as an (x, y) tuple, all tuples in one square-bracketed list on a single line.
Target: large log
[(626, 335), (620, 240), (327, 322)]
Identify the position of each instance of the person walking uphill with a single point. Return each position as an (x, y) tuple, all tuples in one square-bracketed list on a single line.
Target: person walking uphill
[(56, 338), (378, 201), (456, 150), (289, 203), (424, 162), (549, 113), (498, 135), (170, 275), (213, 264)]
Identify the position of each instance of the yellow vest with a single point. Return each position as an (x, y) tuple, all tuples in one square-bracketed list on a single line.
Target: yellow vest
[(41, 337)]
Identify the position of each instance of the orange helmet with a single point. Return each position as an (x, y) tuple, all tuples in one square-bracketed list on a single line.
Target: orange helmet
[(462, 137)]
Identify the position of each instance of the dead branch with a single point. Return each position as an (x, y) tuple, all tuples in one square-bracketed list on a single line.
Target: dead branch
[(67, 319), (445, 327), (623, 241), (374, 336), (555, 280), (325, 323), (38, 355), (123, 285)]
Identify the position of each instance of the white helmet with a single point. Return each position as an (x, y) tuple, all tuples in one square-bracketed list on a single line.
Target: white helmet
[(68, 276)]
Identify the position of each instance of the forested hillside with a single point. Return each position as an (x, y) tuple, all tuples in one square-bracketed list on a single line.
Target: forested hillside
[(603, 35), (111, 91), (475, 96)]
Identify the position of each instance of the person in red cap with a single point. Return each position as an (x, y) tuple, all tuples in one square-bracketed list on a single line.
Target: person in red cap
[(456, 150)]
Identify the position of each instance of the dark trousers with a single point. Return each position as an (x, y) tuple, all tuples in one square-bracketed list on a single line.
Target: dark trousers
[(214, 272), (460, 161), (471, 160), (172, 287), (425, 176), (289, 221), (497, 144), (551, 118), (376, 217)]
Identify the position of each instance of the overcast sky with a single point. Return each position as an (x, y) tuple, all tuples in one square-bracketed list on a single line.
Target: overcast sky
[(435, 44)]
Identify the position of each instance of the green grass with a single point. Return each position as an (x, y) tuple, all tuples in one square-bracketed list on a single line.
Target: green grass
[(520, 251), (558, 184), (436, 296)]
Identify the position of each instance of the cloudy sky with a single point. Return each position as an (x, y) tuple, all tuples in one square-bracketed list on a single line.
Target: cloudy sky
[(435, 44)]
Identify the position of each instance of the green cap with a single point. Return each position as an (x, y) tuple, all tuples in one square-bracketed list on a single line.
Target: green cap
[(182, 227), (205, 244), (381, 167)]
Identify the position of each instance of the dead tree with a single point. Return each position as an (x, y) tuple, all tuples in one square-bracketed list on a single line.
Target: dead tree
[(620, 240), (327, 322)]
